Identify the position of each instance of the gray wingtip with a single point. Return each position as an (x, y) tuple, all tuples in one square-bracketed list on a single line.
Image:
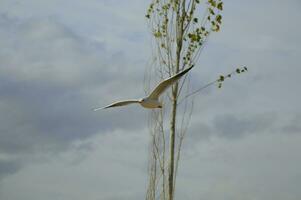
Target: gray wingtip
[(189, 68), (186, 70)]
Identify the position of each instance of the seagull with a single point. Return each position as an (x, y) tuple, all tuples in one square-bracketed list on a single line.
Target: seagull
[(152, 100)]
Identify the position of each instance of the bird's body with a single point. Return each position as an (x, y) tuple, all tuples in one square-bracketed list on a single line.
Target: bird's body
[(152, 100), (150, 103)]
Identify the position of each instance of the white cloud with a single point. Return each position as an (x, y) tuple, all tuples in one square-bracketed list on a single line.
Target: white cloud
[(44, 50)]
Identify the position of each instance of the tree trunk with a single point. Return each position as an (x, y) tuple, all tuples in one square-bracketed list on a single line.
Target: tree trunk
[(172, 143), (179, 28)]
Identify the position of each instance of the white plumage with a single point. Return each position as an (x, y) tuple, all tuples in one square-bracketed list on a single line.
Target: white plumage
[(152, 100)]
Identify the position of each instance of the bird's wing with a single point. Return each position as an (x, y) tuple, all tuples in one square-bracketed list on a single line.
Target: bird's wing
[(161, 87), (119, 103)]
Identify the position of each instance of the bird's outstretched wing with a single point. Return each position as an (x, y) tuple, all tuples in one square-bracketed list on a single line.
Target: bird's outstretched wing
[(161, 87), (119, 103)]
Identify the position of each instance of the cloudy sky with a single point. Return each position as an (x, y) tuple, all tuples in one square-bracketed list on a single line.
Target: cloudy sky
[(60, 58)]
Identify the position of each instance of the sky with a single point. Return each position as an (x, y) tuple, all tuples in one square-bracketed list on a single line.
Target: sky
[(60, 58)]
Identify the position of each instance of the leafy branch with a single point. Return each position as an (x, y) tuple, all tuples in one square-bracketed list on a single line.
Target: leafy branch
[(219, 81)]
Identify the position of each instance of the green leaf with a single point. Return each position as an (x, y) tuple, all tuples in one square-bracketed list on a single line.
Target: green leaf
[(238, 70), (245, 68), (217, 28), (219, 19), (220, 6), (212, 2), (195, 20), (211, 11), (157, 34)]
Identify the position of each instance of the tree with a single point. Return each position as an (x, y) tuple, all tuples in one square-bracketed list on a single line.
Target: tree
[(179, 32)]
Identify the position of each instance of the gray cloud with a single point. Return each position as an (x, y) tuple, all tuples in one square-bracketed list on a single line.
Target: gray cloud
[(293, 125), (8, 167), (58, 61), (232, 126), (57, 174), (50, 85)]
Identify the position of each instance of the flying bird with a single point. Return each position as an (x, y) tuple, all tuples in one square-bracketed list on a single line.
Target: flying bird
[(152, 100)]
